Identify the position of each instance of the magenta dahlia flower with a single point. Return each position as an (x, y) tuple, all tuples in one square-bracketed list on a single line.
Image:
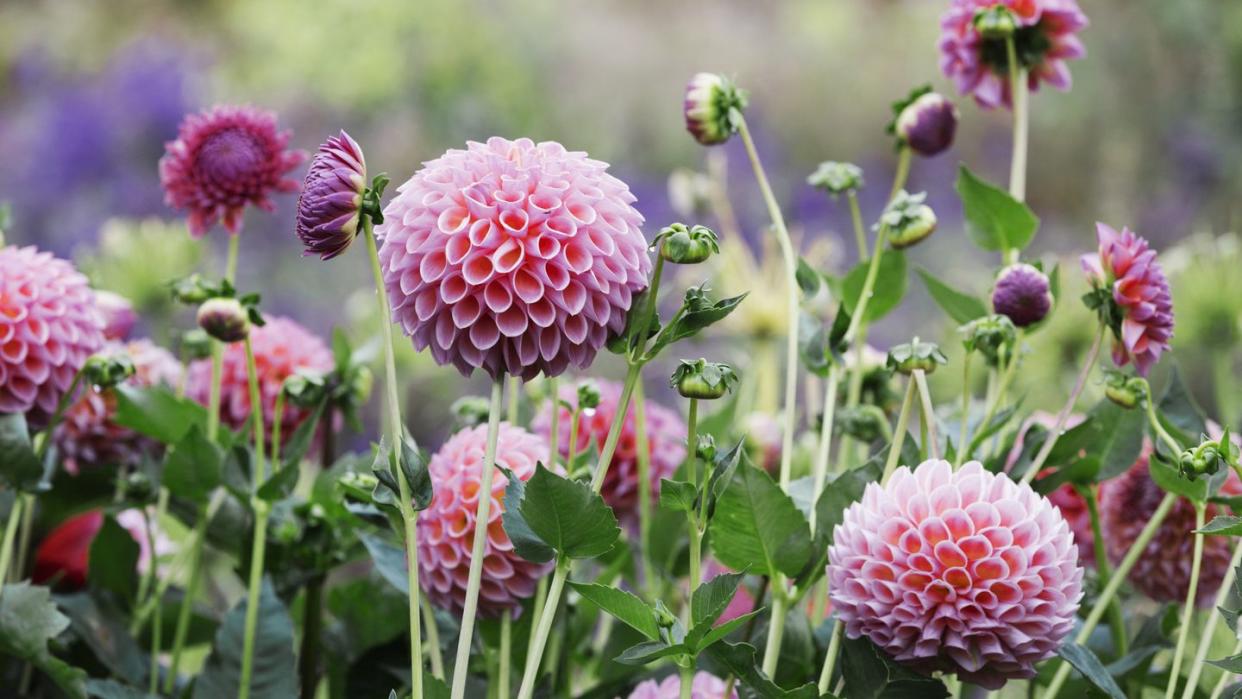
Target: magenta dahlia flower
[(87, 435), (330, 206), (513, 257), (118, 315), (705, 686), (1045, 38), (447, 527), (1127, 266), (50, 324), (666, 438), (282, 347), (965, 572), (1163, 571), (223, 159)]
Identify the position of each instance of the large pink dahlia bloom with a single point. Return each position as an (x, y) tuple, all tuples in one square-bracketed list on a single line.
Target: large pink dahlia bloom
[(1127, 266), (666, 439), (1163, 571), (282, 347), (446, 529), (49, 325), (87, 435), (1046, 37), (965, 572), (223, 159), (705, 686), (513, 257)]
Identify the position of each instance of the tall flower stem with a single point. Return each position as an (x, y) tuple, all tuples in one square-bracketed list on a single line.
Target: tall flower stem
[(834, 647), (899, 434), (963, 433), (153, 678), (1117, 621), (824, 448), (1021, 129), (692, 517), (929, 414), (258, 545), (902, 173), (10, 533), (642, 442), (433, 639), (506, 642), (1000, 388), (1209, 629), (1063, 416), (395, 434), (1110, 590), (1188, 609), (860, 233), (461, 666)]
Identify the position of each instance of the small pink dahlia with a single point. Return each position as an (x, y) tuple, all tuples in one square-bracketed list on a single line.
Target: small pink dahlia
[(1163, 571), (118, 314), (1045, 38), (965, 572), (705, 686), (666, 438), (282, 347), (87, 435), (330, 205), (1127, 266), (223, 159), (446, 528), (513, 257), (50, 324)]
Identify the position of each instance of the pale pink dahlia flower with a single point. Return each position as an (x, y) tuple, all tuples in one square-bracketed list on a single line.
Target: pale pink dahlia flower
[(705, 686), (513, 257), (1045, 38), (666, 439), (1127, 266), (118, 315), (1163, 571), (87, 435), (447, 528), (965, 572), (223, 159), (282, 347), (50, 324), (330, 205)]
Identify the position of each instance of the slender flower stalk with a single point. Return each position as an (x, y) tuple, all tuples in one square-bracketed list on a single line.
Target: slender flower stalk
[(963, 433), (153, 672), (1209, 629), (903, 172), (433, 639), (506, 636), (824, 449), (999, 390), (10, 533), (1104, 569), (899, 435), (644, 492), (1021, 124), (1051, 441), (860, 235), (261, 510), (1188, 608), (692, 474), (929, 414)]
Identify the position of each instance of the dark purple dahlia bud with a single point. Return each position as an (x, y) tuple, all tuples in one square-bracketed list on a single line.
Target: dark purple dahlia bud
[(927, 123), (224, 319), (330, 207), (1022, 294), (711, 100)]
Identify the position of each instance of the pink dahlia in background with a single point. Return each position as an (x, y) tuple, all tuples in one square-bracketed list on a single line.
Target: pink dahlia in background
[(282, 347), (63, 557), (118, 315), (330, 205), (965, 572), (446, 529), (705, 686), (87, 435), (513, 257), (1072, 505), (666, 438), (1163, 571), (763, 440), (224, 159), (50, 324), (1045, 38), (1127, 266)]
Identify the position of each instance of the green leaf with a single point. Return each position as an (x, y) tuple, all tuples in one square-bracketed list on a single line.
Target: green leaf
[(1118, 438), (28, 621), (1179, 411), (678, 496), (809, 280), (841, 491), (1086, 662), (1227, 525), (869, 674), (157, 412), (414, 466), (649, 652), (292, 451), (114, 561), (960, 306), (568, 516), (19, 464), (105, 630), (712, 597), (704, 637), (740, 660), (370, 613), (890, 285), (341, 351), (274, 673), (526, 543), (1171, 481), (111, 689), (622, 605), (756, 526), (1232, 663), (702, 314), (280, 484), (389, 560), (193, 468), (994, 219)]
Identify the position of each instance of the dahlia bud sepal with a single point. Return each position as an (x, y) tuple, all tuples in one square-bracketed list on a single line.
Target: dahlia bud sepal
[(469, 411), (224, 319), (193, 290), (907, 219), (684, 245), (1123, 390), (836, 178), (713, 108), (107, 369), (990, 336), (703, 380), (371, 206), (996, 22), (915, 355)]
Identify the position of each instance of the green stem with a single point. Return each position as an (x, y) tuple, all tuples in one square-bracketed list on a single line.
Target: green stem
[(461, 667), (10, 532), (824, 449), (902, 174), (258, 546), (1051, 440), (776, 627), (506, 634), (644, 490), (830, 660), (996, 396), (433, 640), (1158, 428), (153, 678), (1225, 382), (278, 417), (1110, 590), (1021, 114), (1090, 495), (963, 434), (1209, 629), (860, 234), (1188, 609), (312, 627), (515, 394), (540, 638), (928, 411), (899, 434), (692, 517), (687, 681)]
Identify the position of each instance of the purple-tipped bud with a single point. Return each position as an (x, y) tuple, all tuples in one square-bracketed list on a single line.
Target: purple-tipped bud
[(330, 206), (224, 319), (927, 124), (710, 102), (118, 314), (1022, 294)]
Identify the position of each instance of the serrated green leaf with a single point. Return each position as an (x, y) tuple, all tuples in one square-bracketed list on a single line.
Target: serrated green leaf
[(960, 306), (274, 672), (691, 322), (890, 285), (526, 543), (111, 689), (414, 466), (740, 660), (622, 605), (1087, 664), (193, 468), (1224, 525), (809, 280), (678, 496), (994, 219), (758, 527), (105, 630), (389, 560), (1171, 481), (157, 412), (649, 652), (28, 621), (568, 516), (292, 451), (869, 674), (841, 491), (1178, 410), (280, 484), (19, 465), (710, 599), (706, 636)]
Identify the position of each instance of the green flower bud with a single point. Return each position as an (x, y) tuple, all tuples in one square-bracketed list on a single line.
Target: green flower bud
[(706, 448), (989, 335), (588, 395), (710, 104), (305, 388), (196, 344), (866, 423), (469, 411), (836, 178), (664, 618), (192, 290), (1126, 391), (687, 246), (225, 319), (702, 379), (996, 22), (915, 355), (907, 219), (107, 369)]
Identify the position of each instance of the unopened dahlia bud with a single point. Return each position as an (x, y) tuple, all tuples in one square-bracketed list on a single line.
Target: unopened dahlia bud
[(995, 22), (706, 448), (305, 388), (988, 335), (915, 355), (711, 100), (224, 319), (108, 369), (703, 380), (195, 344), (588, 395), (192, 290), (1022, 294), (925, 122), (684, 245), (330, 207), (836, 178), (1126, 391), (469, 411), (866, 423), (907, 219), (1209, 457), (118, 314)]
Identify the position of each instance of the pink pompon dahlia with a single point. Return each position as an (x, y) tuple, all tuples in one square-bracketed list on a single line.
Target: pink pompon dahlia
[(282, 347), (513, 257), (666, 438), (965, 572), (1045, 37), (87, 435), (330, 205), (447, 527), (50, 324), (1141, 306), (1163, 571), (118, 315), (705, 686), (223, 159)]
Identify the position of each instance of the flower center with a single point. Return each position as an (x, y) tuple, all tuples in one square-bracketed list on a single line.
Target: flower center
[(229, 155), (1030, 43)]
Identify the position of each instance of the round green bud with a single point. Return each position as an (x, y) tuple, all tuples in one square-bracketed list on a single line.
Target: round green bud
[(907, 219), (836, 178), (703, 380), (684, 245), (915, 355), (588, 395), (107, 369), (996, 22), (196, 344)]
